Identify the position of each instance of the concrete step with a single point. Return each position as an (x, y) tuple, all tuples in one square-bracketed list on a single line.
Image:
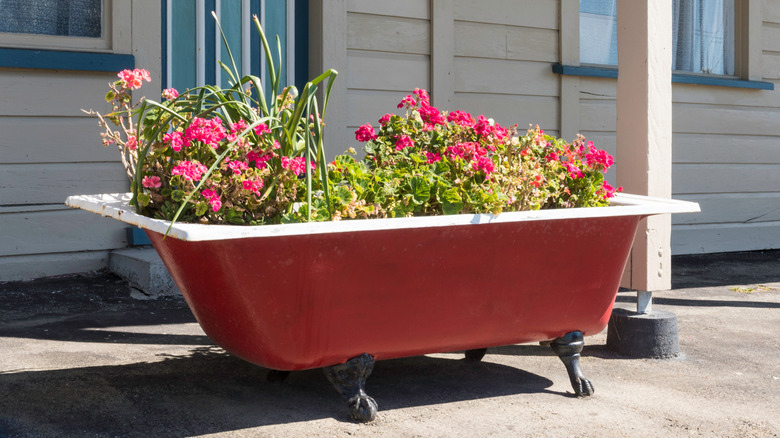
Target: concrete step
[(143, 269)]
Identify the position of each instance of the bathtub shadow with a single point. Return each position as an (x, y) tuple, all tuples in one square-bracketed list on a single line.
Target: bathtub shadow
[(108, 327), (210, 391)]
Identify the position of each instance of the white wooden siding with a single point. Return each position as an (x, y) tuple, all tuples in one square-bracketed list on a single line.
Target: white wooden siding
[(50, 149), (388, 56), (502, 61)]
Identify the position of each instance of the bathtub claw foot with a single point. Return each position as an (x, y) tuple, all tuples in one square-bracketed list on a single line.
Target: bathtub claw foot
[(349, 379), (475, 355), (568, 348)]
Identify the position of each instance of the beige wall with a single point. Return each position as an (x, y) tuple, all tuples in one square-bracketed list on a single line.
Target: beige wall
[(49, 150), (495, 57)]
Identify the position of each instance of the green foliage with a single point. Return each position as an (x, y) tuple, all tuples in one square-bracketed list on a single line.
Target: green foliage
[(429, 162)]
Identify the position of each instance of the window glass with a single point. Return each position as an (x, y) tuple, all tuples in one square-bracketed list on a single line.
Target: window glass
[(598, 32), (72, 18), (702, 35)]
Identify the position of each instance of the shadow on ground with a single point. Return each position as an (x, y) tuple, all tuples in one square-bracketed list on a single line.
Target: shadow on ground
[(210, 391), (708, 270)]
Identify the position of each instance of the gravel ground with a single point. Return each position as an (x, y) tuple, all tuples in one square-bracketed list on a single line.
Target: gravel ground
[(81, 358)]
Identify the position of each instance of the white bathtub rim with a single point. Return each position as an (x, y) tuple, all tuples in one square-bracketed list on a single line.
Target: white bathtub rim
[(115, 205)]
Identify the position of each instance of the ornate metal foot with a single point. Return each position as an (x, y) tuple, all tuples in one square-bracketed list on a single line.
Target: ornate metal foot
[(568, 348), (475, 355), (349, 379)]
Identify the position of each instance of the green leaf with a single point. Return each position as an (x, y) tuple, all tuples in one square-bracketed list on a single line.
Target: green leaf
[(344, 195), (441, 168), (178, 195), (421, 188), (143, 199), (234, 217), (451, 201), (418, 158), (201, 209), (110, 96)]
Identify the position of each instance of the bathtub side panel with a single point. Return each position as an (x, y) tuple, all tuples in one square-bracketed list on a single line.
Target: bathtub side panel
[(301, 302)]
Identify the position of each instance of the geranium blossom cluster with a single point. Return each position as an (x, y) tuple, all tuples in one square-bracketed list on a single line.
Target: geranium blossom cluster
[(450, 162), (227, 171), (133, 79)]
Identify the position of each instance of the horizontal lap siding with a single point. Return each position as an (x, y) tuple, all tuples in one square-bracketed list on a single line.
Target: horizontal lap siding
[(388, 56), (501, 56), (30, 232), (50, 149), (727, 158), (25, 267), (726, 153), (502, 62)]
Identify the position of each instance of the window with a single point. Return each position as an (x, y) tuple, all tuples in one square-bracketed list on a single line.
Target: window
[(193, 45), (702, 35), (55, 24), (76, 18)]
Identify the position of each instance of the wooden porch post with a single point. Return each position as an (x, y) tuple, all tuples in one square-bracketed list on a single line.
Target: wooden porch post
[(644, 133)]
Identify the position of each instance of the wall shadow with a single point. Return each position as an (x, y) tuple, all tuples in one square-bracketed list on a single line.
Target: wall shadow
[(702, 303), (724, 269)]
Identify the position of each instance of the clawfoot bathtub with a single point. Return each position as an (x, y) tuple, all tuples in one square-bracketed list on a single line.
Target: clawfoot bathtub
[(341, 295)]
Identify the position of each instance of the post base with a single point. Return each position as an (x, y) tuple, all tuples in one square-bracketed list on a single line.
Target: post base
[(648, 335)]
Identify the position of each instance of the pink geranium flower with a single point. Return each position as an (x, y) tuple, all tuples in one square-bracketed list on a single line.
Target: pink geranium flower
[(407, 102), (261, 160), (574, 171), (608, 191), (297, 165), (206, 131), (483, 127), (253, 185), (431, 117), (132, 142), (174, 140), (422, 96), (432, 157), (213, 198), (402, 142), (170, 94), (190, 170), (598, 158), (237, 167), (133, 79), (262, 129), (365, 133), (151, 182), (484, 164), (461, 118)]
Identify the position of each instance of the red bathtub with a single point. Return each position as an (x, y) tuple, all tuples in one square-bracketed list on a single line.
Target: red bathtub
[(299, 296)]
